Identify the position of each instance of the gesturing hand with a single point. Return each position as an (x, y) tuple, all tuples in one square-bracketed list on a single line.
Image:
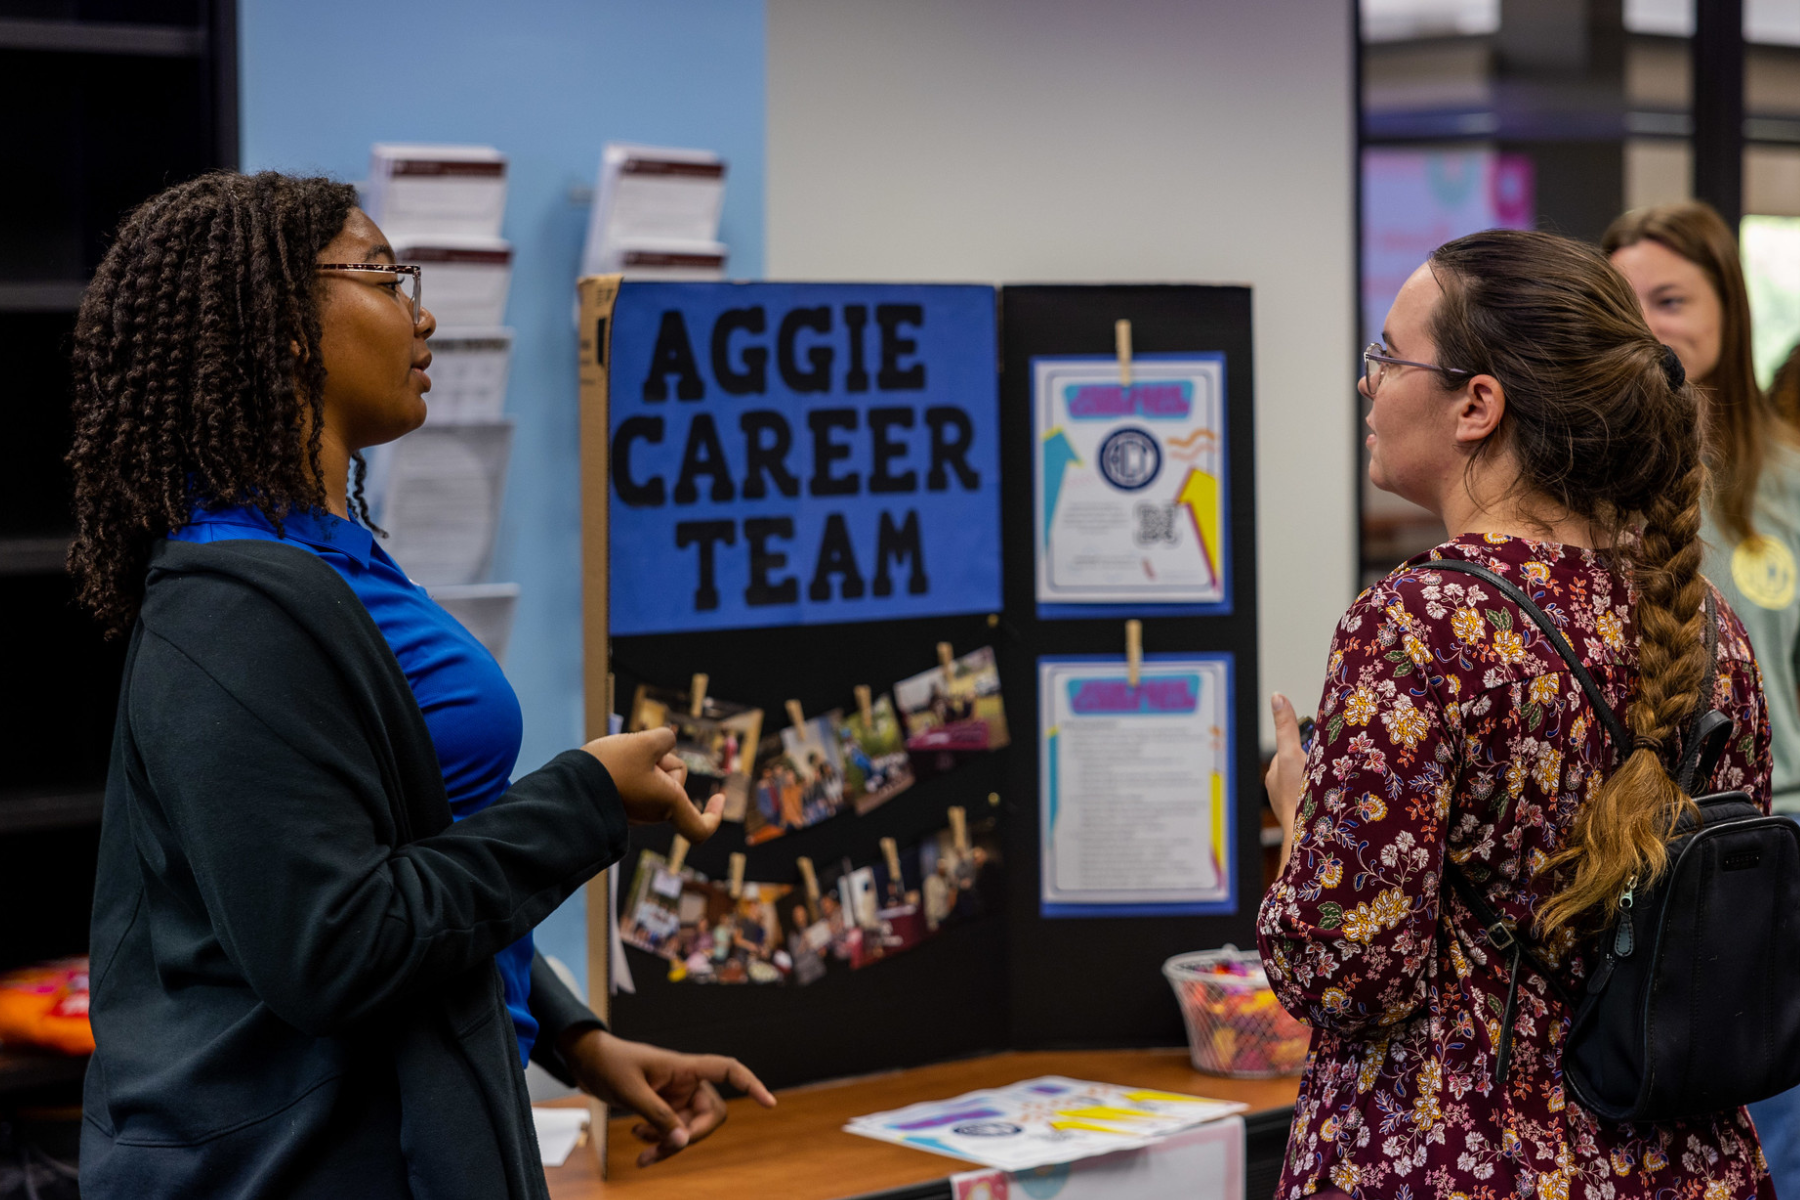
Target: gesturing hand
[(1286, 780), (673, 1093), (652, 783)]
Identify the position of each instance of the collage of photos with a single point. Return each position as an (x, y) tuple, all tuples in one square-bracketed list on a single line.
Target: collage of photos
[(717, 741), (953, 709), (769, 933)]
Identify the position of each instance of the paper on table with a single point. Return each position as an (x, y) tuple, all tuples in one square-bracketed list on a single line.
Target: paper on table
[(658, 195), (1036, 1122), (558, 1132), (442, 507), (484, 609), (1204, 1163), (468, 373), (436, 189), (1136, 786)]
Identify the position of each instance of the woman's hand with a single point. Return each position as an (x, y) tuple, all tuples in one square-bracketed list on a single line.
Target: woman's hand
[(1286, 780), (652, 783), (673, 1093)]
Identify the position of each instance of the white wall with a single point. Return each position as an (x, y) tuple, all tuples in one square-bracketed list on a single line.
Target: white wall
[(1077, 141)]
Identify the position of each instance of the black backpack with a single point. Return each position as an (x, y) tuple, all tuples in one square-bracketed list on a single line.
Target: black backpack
[(1694, 1004)]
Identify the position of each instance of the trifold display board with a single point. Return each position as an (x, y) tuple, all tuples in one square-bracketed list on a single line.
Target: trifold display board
[(800, 490)]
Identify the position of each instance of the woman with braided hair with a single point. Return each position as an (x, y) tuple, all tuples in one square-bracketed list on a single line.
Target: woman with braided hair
[(1518, 394), (312, 966)]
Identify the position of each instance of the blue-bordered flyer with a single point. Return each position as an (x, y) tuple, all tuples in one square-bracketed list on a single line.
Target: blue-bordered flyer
[(1131, 500), (1135, 786)]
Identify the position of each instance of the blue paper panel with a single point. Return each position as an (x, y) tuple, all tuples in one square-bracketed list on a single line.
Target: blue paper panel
[(788, 454)]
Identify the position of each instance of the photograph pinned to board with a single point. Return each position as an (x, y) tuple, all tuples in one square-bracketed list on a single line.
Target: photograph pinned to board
[(1130, 496), (1038, 1122), (872, 746), (661, 901), (957, 871), (710, 932), (717, 744), (954, 708), (799, 781), (1136, 786)]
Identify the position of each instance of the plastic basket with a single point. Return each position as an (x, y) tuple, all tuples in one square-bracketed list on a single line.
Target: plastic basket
[(1235, 1027)]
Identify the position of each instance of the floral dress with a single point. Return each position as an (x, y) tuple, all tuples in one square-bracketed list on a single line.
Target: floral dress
[(1450, 728)]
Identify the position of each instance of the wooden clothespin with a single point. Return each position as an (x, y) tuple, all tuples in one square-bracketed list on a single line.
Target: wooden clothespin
[(697, 695), (736, 886), (1134, 651), (946, 656), (865, 705), (1122, 344), (810, 879), (959, 828), (677, 853), (890, 850), (796, 714)]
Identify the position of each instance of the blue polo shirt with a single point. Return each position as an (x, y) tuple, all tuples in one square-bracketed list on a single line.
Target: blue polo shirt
[(470, 709)]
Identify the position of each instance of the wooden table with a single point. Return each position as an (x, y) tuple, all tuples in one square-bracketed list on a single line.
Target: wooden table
[(798, 1151)]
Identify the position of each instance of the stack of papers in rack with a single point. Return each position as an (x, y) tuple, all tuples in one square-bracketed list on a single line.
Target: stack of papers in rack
[(436, 190), (1043, 1121), (468, 374), (465, 278), (656, 214), (440, 495)]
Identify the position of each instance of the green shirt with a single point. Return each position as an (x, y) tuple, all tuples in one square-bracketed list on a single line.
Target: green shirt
[(1758, 580)]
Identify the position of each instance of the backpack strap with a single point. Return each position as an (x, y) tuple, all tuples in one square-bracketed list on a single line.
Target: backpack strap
[(1621, 737)]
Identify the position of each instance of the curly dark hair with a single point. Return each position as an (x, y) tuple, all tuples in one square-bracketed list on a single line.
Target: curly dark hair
[(198, 373)]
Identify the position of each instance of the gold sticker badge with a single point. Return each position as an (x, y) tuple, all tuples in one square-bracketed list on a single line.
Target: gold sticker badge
[(1763, 570)]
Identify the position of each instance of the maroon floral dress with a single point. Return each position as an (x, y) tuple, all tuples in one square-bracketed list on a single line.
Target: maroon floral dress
[(1449, 727)]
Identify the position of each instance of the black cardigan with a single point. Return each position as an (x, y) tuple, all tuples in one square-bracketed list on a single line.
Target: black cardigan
[(292, 949)]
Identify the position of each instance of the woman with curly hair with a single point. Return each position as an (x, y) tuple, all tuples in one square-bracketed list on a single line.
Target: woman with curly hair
[(312, 966), (1682, 262), (1518, 394)]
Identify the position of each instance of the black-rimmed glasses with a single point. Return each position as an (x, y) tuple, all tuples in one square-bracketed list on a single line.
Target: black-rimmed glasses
[(1375, 365), (403, 279)]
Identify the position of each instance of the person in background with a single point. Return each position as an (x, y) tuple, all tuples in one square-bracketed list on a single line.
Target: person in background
[(312, 966), (1682, 262), (1518, 395)]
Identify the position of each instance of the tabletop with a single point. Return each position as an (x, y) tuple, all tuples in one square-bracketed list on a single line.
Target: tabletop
[(799, 1151)]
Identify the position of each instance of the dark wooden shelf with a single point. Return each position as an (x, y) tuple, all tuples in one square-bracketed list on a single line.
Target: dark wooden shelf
[(24, 1069), (49, 808), (36, 554), (96, 37)]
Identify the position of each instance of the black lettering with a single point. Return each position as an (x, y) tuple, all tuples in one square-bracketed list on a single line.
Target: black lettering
[(754, 378), (763, 590), (953, 451), (899, 544), (705, 534), (836, 558), (674, 354), (893, 377), (887, 450), (818, 357), (771, 459), (856, 379), (648, 494), (826, 452), (703, 456)]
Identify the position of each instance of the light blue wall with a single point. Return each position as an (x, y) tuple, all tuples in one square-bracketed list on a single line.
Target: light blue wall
[(548, 82)]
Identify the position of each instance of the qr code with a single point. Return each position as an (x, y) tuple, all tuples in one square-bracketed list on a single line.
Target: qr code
[(1156, 523)]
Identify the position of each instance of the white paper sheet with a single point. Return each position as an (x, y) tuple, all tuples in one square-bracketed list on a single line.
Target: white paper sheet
[(444, 484), (1130, 489), (1136, 785), (1037, 1122), (1206, 1163), (653, 196), (469, 366), (484, 609), (436, 189), (464, 280), (558, 1132)]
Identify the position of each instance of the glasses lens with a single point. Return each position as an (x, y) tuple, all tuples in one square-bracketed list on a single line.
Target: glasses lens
[(409, 283), (1371, 368)]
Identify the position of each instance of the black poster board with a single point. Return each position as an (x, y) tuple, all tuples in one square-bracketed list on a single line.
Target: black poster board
[(1009, 979)]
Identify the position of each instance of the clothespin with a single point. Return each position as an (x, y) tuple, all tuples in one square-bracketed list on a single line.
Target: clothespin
[(736, 886), (697, 695), (1122, 344), (946, 656), (890, 850), (865, 705), (959, 828), (677, 853), (1134, 651), (810, 879), (796, 714)]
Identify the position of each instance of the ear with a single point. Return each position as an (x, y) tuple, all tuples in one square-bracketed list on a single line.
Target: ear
[(1479, 408)]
